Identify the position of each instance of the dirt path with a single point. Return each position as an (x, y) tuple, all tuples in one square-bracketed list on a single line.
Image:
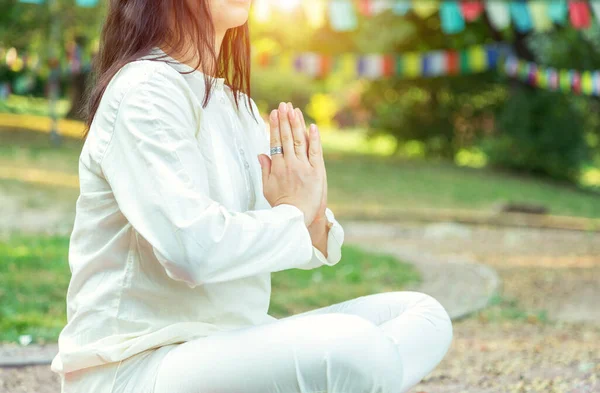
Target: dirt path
[(543, 333), (517, 358)]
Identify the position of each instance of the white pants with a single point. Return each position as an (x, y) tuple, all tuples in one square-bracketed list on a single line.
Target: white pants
[(384, 343)]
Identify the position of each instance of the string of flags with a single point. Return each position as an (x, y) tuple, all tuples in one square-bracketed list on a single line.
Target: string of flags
[(526, 15), (478, 58), (474, 59), (549, 78), (79, 3)]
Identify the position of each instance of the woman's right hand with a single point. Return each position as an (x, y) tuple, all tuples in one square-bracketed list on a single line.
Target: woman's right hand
[(296, 176)]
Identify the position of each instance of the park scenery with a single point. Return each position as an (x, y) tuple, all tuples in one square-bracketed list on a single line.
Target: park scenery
[(462, 148)]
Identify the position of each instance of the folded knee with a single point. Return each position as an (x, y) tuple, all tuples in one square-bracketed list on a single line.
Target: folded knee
[(431, 309), (361, 349)]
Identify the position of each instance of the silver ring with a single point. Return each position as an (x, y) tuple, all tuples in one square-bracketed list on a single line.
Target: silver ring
[(277, 150)]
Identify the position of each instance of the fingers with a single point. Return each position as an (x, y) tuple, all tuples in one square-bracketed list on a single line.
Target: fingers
[(315, 151), (285, 132), (298, 133), (275, 136), (301, 116)]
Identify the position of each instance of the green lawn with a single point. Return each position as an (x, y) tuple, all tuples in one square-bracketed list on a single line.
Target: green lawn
[(366, 177), (34, 276), (379, 181)]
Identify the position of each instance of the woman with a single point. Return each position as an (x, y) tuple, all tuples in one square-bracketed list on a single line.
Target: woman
[(179, 226)]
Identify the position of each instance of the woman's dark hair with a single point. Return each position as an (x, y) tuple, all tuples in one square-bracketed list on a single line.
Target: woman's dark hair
[(133, 27)]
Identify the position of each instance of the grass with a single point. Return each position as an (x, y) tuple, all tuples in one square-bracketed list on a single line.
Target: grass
[(365, 178), (358, 273), (34, 150), (358, 180), (502, 308), (34, 277)]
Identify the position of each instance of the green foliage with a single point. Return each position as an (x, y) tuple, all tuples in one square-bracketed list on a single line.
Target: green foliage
[(446, 114), (539, 133), (29, 105), (270, 87), (359, 273)]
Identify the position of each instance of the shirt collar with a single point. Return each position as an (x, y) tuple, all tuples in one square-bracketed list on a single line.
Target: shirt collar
[(218, 82)]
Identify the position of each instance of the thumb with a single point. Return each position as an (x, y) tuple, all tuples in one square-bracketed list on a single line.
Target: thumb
[(265, 166)]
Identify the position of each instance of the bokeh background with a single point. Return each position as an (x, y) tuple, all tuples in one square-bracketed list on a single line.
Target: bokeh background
[(462, 146)]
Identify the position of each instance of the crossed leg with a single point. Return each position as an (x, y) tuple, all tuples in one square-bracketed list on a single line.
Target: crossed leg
[(385, 343)]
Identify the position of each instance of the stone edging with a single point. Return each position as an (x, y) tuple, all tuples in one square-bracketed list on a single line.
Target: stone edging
[(477, 217), (478, 283)]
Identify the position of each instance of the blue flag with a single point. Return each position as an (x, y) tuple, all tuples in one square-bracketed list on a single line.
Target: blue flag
[(86, 3)]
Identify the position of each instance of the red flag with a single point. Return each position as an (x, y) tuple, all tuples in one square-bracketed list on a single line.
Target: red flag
[(364, 7), (471, 9), (452, 62), (389, 66), (325, 65), (263, 59), (579, 13), (576, 82)]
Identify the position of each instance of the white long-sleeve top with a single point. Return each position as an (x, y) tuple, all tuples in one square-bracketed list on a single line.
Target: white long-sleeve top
[(173, 238)]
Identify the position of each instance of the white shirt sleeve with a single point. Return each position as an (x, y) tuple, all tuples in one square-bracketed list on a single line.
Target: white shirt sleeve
[(335, 238), (158, 176)]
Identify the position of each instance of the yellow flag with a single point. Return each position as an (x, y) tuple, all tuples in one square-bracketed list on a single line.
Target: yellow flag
[(411, 65), (541, 77), (425, 8), (539, 15), (315, 12), (587, 85), (286, 61), (564, 78), (348, 64), (477, 59)]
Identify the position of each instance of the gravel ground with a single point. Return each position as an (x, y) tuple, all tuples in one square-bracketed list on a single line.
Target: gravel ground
[(484, 358), (554, 272)]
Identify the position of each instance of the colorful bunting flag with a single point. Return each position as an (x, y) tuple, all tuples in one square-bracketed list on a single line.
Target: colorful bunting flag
[(579, 14), (379, 6), (587, 85), (498, 13), (539, 15), (411, 65), (471, 9), (557, 11), (451, 17), (342, 16), (315, 12), (373, 66), (595, 5), (401, 7), (521, 18), (86, 3), (567, 81), (478, 59), (425, 8)]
